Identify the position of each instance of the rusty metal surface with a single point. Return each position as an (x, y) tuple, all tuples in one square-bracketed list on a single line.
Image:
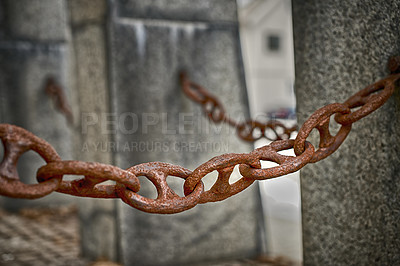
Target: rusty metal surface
[(320, 120), (167, 200), (126, 185), (56, 93), (94, 173)]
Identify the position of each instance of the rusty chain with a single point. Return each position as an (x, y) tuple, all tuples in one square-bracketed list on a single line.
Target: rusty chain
[(56, 93), (17, 141), (250, 130)]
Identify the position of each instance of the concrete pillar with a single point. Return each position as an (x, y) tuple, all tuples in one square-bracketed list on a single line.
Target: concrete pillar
[(350, 200), (88, 38), (150, 41)]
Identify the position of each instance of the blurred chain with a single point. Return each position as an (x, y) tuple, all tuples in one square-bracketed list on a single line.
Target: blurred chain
[(126, 186), (249, 130), (56, 93)]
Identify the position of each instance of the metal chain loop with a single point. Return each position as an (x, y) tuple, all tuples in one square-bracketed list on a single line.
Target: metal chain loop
[(56, 93), (368, 99), (320, 120), (224, 164), (167, 201), (16, 141), (254, 130), (213, 109), (287, 164), (94, 173), (251, 130)]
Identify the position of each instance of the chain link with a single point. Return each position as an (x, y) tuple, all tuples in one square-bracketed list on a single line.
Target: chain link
[(17, 141), (125, 184)]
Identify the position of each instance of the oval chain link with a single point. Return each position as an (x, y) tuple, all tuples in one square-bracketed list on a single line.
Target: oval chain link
[(368, 100), (320, 120), (94, 173), (224, 164), (287, 164)]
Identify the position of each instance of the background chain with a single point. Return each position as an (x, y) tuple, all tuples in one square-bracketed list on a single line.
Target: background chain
[(17, 141)]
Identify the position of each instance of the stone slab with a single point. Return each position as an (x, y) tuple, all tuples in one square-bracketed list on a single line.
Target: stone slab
[(350, 200), (146, 57), (88, 32), (150, 68)]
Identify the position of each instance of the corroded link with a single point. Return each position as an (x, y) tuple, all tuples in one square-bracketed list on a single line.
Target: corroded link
[(212, 107), (369, 99), (254, 130), (194, 91), (287, 164), (275, 126), (320, 120), (94, 173), (251, 130), (167, 201), (17, 141), (224, 164)]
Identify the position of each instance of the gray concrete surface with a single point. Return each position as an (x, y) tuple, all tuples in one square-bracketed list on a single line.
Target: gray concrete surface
[(26, 20), (88, 35), (350, 200)]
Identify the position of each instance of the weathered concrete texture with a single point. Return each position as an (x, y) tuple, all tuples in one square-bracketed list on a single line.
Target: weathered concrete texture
[(88, 32), (98, 229), (350, 200), (88, 39), (43, 20), (186, 10), (150, 122), (85, 12)]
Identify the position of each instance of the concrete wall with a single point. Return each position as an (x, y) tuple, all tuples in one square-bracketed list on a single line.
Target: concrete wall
[(350, 200)]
